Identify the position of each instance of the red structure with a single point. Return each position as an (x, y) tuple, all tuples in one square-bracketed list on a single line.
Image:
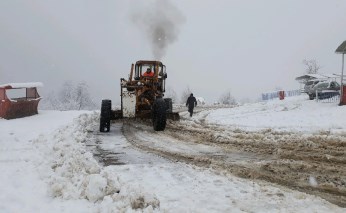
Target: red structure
[(19, 107), (281, 95), (342, 50), (343, 95)]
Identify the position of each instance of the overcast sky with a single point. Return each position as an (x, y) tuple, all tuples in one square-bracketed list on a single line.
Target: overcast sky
[(243, 46)]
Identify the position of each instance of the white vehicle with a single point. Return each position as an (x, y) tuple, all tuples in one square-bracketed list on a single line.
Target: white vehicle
[(311, 83), (332, 88)]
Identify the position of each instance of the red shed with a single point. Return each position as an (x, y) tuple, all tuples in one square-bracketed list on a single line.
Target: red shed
[(24, 105)]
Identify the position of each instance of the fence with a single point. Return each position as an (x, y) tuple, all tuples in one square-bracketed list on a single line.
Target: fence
[(275, 95), (328, 96)]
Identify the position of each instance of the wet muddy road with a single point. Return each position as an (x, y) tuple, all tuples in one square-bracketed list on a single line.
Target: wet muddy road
[(315, 164)]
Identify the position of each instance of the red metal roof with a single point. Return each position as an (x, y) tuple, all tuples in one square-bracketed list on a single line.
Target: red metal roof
[(21, 85)]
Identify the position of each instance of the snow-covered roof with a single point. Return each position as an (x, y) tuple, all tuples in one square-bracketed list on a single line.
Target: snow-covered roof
[(316, 76), (341, 48), (21, 85)]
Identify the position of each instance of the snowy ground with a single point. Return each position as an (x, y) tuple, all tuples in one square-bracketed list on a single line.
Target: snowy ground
[(296, 114), (56, 162)]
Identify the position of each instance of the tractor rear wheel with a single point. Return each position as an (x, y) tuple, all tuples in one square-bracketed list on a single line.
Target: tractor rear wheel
[(159, 114), (105, 117)]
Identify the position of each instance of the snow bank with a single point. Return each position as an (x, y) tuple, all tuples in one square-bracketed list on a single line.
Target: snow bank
[(72, 173), (292, 114)]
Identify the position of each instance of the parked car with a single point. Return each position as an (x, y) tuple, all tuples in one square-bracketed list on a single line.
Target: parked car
[(324, 90), (311, 83)]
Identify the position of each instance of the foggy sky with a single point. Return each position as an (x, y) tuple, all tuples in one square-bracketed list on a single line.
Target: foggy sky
[(245, 46)]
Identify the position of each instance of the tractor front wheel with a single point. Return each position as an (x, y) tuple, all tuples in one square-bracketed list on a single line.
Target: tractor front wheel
[(105, 117), (159, 114)]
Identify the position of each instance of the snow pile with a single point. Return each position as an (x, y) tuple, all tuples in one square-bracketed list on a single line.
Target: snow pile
[(312, 181), (297, 114), (72, 173)]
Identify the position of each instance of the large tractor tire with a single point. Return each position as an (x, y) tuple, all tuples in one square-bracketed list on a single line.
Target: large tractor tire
[(105, 117), (159, 114)]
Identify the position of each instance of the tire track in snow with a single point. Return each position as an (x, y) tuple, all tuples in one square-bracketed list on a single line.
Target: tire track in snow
[(285, 158)]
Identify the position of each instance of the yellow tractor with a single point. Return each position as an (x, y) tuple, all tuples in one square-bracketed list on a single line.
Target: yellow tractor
[(141, 97)]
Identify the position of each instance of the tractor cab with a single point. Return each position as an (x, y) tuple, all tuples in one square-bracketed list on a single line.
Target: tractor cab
[(157, 74)]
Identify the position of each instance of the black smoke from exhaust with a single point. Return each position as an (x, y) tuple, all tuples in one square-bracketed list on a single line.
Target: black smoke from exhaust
[(160, 22)]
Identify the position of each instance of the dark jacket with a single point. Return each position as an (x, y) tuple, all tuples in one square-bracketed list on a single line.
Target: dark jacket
[(191, 102)]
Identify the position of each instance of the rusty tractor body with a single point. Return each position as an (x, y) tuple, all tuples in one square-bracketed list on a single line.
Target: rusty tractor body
[(141, 97)]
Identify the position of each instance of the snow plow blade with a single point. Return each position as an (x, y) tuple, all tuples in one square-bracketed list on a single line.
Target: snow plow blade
[(173, 116)]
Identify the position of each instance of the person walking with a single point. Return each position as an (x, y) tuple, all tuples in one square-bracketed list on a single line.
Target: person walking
[(191, 103)]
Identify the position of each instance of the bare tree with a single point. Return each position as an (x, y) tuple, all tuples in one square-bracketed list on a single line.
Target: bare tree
[(312, 67), (227, 99), (65, 94), (186, 93), (170, 93), (82, 97), (70, 97), (50, 101)]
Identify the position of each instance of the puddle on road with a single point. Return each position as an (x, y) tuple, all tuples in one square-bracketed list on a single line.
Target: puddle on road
[(106, 157)]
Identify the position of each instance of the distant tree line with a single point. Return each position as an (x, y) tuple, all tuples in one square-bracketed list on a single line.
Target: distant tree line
[(226, 98), (70, 97), (76, 96)]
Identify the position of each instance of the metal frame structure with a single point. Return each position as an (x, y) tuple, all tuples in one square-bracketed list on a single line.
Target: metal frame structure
[(19, 107), (342, 50)]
